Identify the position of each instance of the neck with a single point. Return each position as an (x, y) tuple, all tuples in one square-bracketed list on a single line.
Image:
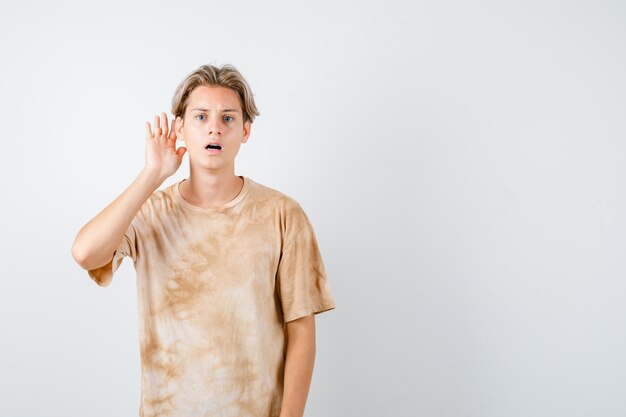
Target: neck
[(207, 189)]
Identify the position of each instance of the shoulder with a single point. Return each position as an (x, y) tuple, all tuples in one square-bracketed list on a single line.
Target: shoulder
[(271, 197), (278, 207)]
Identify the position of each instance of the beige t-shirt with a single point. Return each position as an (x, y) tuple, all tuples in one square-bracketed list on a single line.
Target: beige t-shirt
[(214, 289)]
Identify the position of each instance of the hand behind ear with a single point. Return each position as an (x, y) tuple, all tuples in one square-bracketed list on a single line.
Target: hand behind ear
[(161, 153)]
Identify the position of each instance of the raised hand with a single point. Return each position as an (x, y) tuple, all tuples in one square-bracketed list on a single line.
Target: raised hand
[(162, 156)]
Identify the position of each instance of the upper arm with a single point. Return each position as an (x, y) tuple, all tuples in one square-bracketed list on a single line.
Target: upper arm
[(127, 247), (301, 327)]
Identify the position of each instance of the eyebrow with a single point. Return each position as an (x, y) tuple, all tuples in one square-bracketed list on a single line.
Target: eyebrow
[(225, 110)]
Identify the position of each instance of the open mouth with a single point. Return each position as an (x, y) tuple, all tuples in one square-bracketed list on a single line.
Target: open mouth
[(213, 146)]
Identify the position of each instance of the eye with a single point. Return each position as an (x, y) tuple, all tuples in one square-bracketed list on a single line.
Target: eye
[(200, 115), (231, 118)]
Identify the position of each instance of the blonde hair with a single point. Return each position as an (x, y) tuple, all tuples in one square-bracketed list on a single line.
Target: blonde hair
[(225, 76)]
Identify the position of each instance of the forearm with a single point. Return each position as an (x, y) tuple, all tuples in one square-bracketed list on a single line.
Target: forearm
[(299, 362), (97, 240)]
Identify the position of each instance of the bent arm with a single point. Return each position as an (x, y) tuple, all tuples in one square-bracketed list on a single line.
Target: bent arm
[(96, 241)]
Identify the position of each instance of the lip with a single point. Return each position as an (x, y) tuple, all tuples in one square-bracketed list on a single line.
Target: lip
[(214, 142), (214, 151)]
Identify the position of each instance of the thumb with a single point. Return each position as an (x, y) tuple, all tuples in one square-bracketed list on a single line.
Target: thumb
[(181, 151)]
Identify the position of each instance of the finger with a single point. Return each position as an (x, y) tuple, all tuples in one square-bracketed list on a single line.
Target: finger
[(148, 130), (164, 123), (157, 127), (173, 131), (162, 132)]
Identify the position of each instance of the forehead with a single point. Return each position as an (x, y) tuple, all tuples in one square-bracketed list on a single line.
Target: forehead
[(206, 96)]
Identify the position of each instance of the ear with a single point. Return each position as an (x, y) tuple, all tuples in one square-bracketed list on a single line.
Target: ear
[(179, 128), (246, 131)]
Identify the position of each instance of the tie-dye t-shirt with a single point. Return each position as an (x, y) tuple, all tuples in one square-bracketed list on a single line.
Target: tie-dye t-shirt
[(214, 289)]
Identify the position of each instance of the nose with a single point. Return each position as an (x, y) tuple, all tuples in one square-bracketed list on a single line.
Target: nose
[(215, 126)]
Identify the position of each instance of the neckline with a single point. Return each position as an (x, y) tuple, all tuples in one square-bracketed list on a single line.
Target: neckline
[(238, 198)]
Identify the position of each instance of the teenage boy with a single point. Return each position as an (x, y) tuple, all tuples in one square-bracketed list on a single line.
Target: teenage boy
[(229, 273)]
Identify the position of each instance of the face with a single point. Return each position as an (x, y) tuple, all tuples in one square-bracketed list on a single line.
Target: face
[(213, 114)]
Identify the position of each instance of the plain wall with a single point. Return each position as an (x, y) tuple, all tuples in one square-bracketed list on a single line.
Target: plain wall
[(462, 163)]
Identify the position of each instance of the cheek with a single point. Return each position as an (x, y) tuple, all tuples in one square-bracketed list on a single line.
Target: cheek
[(193, 130)]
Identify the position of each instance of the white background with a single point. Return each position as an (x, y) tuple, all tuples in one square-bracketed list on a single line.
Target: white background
[(461, 163)]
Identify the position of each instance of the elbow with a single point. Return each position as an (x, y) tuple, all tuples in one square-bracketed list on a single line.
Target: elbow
[(82, 257), (100, 273), (79, 255)]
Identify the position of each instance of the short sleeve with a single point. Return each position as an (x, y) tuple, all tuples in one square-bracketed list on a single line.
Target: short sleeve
[(301, 279), (103, 275)]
